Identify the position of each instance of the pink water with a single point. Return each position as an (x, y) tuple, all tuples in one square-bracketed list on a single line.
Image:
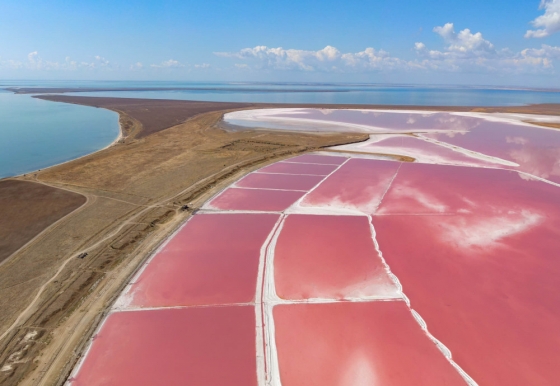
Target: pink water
[(329, 257), (255, 199), (298, 168), (480, 266), (213, 259), (387, 121), (318, 159), (358, 185), (536, 150), (211, 346), (347, 343), (423, 151), (279, 181)]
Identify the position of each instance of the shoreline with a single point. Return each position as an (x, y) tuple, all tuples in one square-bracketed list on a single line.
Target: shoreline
[(113, 143)]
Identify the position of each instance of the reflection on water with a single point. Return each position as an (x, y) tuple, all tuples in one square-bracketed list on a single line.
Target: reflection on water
[(473, 140), (536, 150)]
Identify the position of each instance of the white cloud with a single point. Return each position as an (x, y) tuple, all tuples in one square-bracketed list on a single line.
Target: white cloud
[(101, 61), (202, 66), (136, 66), (171, 63), (467, 51), (548, 23), (36, 63), (465, 42), (10, 64), (326, 59)]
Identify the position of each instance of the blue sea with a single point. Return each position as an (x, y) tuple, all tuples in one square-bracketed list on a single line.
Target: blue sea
[(35, 134)]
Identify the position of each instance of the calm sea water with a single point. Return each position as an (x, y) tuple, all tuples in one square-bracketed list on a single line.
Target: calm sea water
[(35, 134)]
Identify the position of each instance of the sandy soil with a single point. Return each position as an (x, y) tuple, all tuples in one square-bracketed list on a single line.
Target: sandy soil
[(29, 208), (136, 194)]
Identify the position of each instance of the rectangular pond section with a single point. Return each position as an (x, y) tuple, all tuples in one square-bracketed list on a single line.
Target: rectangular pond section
[(213, 259), (211, 346), (357, 343), (329, 257)]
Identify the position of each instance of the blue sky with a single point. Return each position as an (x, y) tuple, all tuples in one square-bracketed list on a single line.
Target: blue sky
[(452, 41)]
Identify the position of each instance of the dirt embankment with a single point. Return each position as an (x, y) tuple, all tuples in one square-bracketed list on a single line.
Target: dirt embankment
[(137, 193), (29, 208)]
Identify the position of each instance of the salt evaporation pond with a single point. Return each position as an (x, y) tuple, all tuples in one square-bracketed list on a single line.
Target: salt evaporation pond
[(347, 267)]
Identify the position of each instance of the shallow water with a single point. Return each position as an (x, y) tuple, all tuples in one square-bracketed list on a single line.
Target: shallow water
[(36, 134), (342, 94)]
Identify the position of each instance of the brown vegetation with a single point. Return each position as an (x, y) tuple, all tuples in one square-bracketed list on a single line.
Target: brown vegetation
[(27, 209), (153, 114)]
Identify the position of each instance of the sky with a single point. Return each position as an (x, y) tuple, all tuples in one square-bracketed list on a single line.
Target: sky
[(476, 42)]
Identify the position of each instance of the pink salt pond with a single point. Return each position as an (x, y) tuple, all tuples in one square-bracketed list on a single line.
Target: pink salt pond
[(329, 257), (255, 199), (213, 259), (536, 150), (484, 279), (419, 149), (299, 168), (349, 120), (348, 343), (358, 185), (318, 159), (210, 346), (279, 181)]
